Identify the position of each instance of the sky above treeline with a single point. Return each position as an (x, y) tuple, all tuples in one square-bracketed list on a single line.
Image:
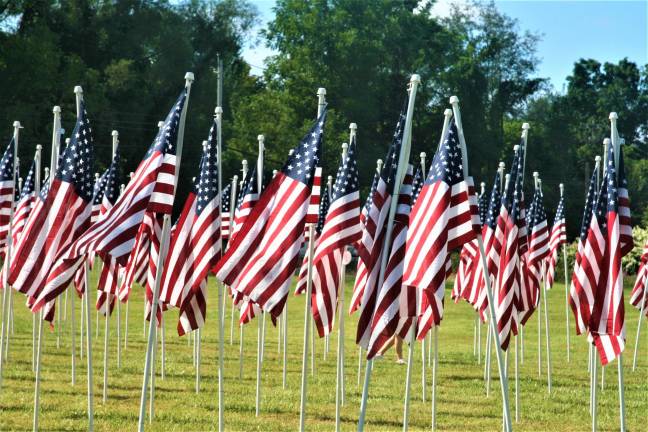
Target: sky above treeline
[(569, 30)]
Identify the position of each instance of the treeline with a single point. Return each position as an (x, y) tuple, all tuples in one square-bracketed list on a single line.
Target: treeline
[(130, 57)]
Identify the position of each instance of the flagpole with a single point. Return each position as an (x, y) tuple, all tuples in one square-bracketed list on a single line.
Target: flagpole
[(232, 206), (423, 342), (329, 185), (260, 319), (546, 315), (454, 101), (37, 181), (321, 104), (5, 292), (244, 170), (400, 175), (616, 143), (564, 250), (166, 227)]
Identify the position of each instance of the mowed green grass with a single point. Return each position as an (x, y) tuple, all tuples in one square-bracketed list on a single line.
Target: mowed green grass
[(461, 400)]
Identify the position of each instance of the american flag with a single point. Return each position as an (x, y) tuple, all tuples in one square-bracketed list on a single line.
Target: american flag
[(7, 191), (262, 258), (150, 190), (602, 257), (509, 278), (24, 205), (395, 303), (58, 219), (108, 279), (625, 224), (247, 199), (300, 288), (534, 258), (338, 227), (639, 289), (557, 238), (444, 218), (225, 216), (371, 246), (195, 246), (581, 293)]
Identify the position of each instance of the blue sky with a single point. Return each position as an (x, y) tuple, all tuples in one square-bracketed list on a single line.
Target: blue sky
[(603, 30)]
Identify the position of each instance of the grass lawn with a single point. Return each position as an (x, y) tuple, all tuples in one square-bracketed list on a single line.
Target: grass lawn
[(461, 401)]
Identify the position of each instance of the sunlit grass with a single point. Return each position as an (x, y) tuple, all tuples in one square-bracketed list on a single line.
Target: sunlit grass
[(461, 401)]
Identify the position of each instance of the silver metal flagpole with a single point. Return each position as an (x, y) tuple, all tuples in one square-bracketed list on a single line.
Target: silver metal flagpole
[(164, 242), (329, 185), (616, 143), (121, 191), (37, 182), (221, 291), (426, 341), (454, 101), (321, 104), (4, 331), (546, 315), (260, 319), (479, 324), (535, 182), (564, 250), (434, 337), (400, 175), (244, 170)]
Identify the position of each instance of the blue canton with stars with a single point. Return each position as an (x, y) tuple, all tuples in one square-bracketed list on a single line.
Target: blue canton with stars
[(589, 206), (7, 163), (323, 211), (374, 185), (305, 158), (417, 184), (388, 172), (250, 186), (494, 204), (207, 181), (483, 208), (608, 197), (225, 199), (512, 198), (447, 165), (77, 159), (538, 214), (166, 139), (109, 182), (346, 179), (29, 184), (560, 211), (16, 177)]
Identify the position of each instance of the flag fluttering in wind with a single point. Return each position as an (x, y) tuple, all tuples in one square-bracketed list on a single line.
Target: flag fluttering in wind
[(263, 256), (149, 192), (581, 292), (248, 197), (444, 218), (7, 191), (371, 245), (639, 290), (108, 279), (58, 219), (557, 238), (338, 227), (602, 257), (195, 245)]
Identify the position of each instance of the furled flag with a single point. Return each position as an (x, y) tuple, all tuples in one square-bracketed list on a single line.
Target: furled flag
[(7, 191), (581, 293), (300, 288), (109, 276), (639, 290), (602, 257), (417, 183), (151, 189), (557, 238), (262, 258), (195, 246), (371, 246), (59, 218), (395, 304), (338, 228), (534, 259), (444, 218), (225, 216), (509, 278)]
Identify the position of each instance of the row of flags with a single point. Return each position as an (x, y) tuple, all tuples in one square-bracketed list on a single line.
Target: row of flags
[(403, 263)]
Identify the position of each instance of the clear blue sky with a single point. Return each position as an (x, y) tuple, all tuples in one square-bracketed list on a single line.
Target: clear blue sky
[(603, 30)]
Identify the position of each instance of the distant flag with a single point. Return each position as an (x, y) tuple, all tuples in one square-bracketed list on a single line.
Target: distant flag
[(7, 190), (263, 256), (537, 254), (557, 238), (581, 291), (25, 204), (444, 218), (59, 218), (149, 192), (225, 216), (639, 289), (247, 199), (196, 244), (602, 257)]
